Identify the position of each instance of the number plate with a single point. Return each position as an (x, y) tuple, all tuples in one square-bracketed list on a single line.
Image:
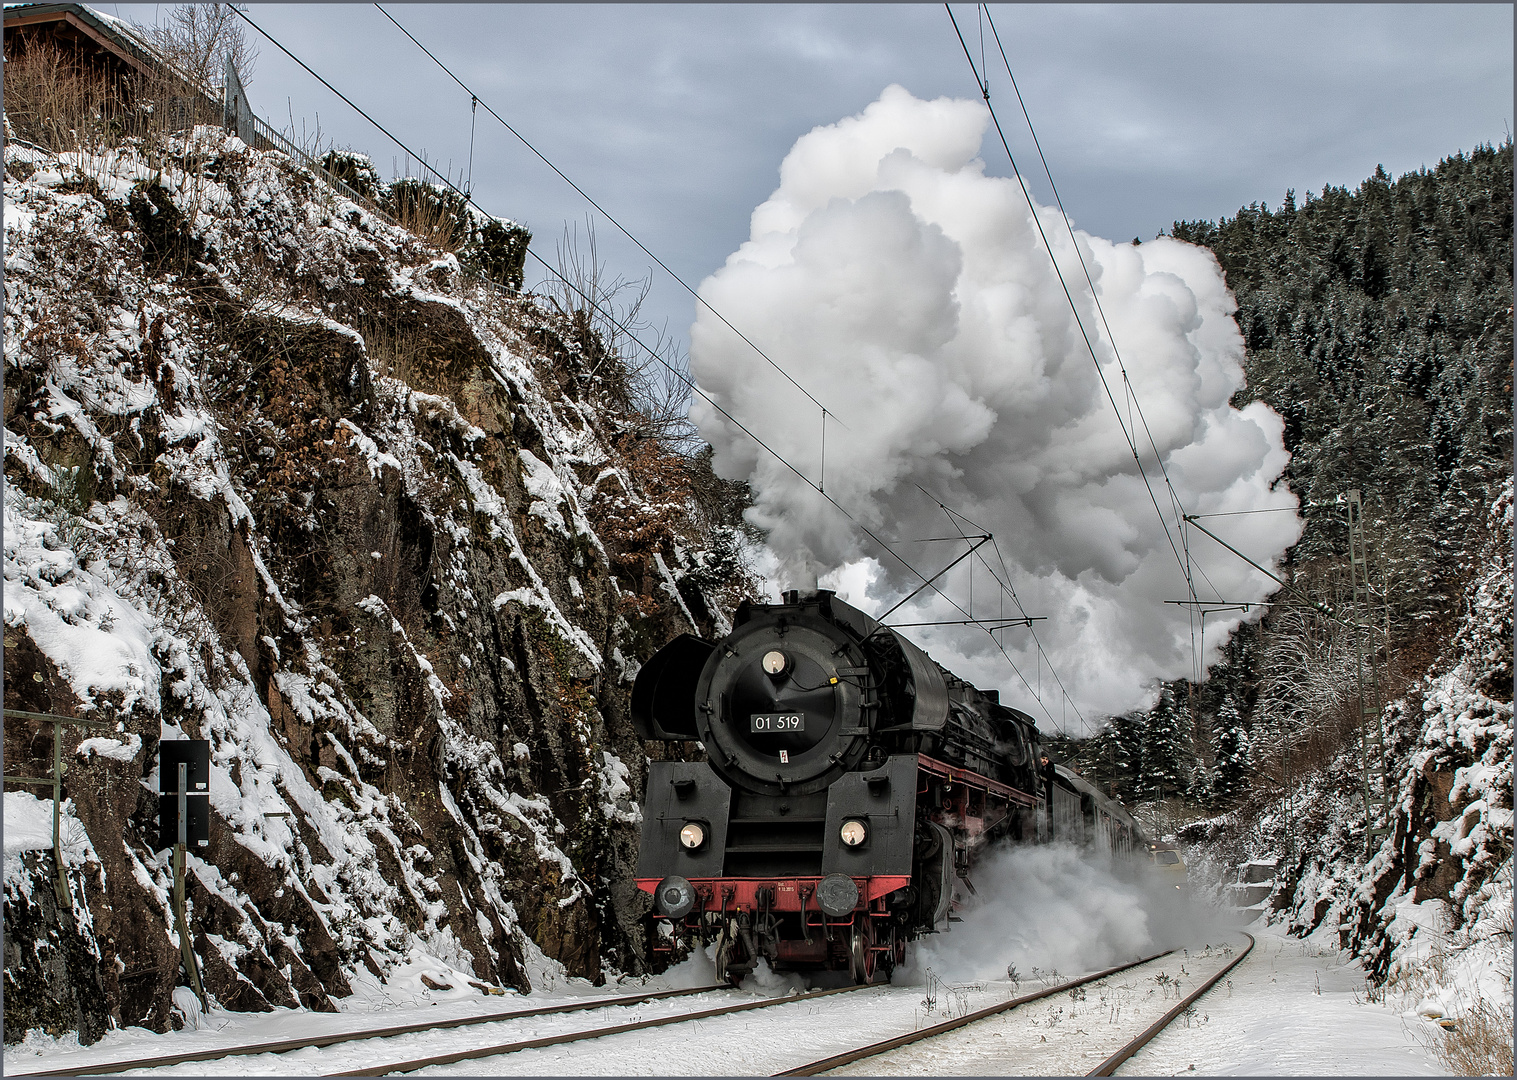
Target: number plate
[(777, 721)]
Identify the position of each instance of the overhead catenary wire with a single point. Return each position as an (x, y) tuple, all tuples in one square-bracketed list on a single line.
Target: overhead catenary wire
[(1068, 296), (631, 336), (1006, 588), (608, 216), (1184, 561), (1074, 310), (1176, 506), (821, 484), (473, 113)]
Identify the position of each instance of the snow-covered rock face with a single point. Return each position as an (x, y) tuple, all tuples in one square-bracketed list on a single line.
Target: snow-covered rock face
[(1429, 906), (279, 477)]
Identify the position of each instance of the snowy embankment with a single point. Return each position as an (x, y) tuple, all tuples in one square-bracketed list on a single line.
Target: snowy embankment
[(281, 477), (1429, 911)]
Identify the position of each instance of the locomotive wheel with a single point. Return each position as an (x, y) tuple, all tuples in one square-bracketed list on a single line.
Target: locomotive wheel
[(863, 956)]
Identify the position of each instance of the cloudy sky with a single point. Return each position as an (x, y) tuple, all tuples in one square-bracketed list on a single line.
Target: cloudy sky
[(676, 117), (900, 276)]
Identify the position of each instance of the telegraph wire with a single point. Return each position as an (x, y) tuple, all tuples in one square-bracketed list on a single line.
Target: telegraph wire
[(522, 139), (610, 317), (1068, 296), (1183, 561)]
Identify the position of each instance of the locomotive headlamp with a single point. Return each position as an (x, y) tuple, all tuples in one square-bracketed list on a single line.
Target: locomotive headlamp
[(854, 832), (775, 662), (675, 897), (692, 836)]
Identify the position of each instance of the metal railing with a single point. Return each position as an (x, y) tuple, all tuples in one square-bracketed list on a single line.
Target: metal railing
[(60, 766)]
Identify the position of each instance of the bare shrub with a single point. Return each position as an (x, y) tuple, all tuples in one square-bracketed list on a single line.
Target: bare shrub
[(1478, 1044), (56, 102), (652, 382), (1311, 670), (199, 39)]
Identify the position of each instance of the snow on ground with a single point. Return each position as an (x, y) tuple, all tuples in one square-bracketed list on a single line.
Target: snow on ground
[(1066, 1034), (29, 827), (1291, 1008), (28, 822), (1294, 1008)]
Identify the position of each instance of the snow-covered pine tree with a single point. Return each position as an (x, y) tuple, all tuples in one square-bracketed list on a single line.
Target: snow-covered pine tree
[(1233, 770), (1167, 757)]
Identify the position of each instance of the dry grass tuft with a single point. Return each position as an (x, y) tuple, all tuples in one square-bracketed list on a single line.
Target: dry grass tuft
[(53, 101), (393, 351), (1478, 1044)]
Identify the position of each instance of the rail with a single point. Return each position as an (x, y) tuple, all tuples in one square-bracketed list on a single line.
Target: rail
[(593, 1033), (1106, 1068), (284, 1046), (1111, 1064), (886, 1045)]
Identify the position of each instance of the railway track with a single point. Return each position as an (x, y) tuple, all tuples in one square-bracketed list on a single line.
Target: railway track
[(881, 1050), (592, 1033), (285, 1046), (883, 1056)]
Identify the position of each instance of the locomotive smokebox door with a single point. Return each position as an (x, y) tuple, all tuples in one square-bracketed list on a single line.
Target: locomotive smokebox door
[(684, 821), (883, 802)]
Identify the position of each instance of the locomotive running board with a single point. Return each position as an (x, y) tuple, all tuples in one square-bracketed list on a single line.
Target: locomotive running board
[(974, 779)]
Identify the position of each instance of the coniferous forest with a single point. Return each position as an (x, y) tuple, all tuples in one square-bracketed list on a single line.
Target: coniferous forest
[(1378, 324)]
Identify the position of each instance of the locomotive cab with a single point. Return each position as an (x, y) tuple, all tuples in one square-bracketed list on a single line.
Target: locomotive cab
[(1168, 867)]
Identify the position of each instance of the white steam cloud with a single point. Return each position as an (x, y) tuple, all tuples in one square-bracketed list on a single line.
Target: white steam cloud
[(912, 295), (1050, 908)]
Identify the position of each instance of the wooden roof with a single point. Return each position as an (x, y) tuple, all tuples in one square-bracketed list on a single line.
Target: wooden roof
[(79, 27)]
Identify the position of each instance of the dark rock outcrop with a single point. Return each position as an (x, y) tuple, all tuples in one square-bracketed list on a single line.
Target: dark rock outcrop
[(379, 535)]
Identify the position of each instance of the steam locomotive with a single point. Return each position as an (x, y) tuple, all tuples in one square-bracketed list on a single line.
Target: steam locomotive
[(850, 782)]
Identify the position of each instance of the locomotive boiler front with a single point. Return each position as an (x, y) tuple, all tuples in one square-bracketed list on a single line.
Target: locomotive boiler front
[(780, 705), (798, 695)]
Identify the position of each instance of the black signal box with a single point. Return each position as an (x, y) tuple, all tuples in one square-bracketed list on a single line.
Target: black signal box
[(197, 820), (195, 755)]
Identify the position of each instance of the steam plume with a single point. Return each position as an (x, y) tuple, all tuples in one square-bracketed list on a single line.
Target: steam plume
[(912, 295)]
